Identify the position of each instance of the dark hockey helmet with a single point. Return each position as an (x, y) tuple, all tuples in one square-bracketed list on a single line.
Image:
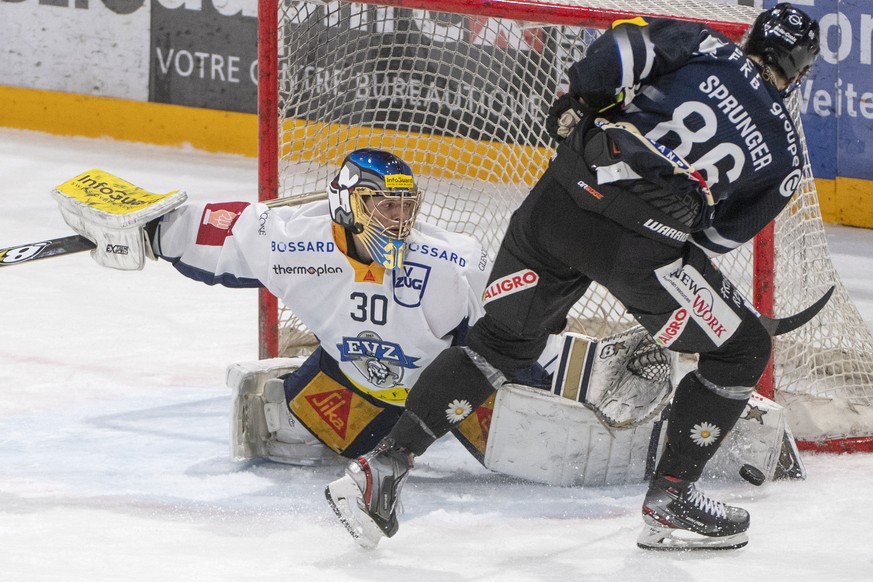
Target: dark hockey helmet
[(785, 38), (376, 197)]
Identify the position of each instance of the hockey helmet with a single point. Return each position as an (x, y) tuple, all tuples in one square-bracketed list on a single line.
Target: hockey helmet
[(785, 38), (375, 196)]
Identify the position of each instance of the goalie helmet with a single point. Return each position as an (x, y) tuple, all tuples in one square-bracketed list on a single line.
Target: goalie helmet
[(787, 39), (374, 195)]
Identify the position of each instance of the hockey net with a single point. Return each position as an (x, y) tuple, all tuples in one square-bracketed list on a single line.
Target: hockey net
[(459, 90)]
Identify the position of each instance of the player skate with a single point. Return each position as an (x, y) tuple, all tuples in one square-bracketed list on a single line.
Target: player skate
[(678, 516), (365, 498)]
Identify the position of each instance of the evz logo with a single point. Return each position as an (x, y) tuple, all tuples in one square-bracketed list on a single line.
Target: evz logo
[(382, 363), (410, 282)]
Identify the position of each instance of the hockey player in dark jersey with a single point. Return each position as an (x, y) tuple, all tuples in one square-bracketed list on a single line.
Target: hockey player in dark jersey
[(673, 143)]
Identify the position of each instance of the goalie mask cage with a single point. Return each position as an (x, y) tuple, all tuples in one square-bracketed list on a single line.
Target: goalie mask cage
[(459, 90)]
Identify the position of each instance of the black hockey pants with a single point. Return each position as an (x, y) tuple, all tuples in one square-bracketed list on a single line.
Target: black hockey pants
[(676, 293)]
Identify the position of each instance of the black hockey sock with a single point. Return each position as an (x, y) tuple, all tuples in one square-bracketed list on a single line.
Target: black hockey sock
[(699, 421), (412, 434), (446, 392)]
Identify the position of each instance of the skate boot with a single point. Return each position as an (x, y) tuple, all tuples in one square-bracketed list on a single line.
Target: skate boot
[(365, 498), (678, 516)]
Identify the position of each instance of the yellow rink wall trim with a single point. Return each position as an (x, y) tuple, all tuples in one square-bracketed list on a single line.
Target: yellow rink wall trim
[(854, 202), (846, 201), (439, 156), (154, 123)]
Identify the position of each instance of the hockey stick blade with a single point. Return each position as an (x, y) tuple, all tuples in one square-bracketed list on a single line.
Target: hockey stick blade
[(780, 325), (44, 249)]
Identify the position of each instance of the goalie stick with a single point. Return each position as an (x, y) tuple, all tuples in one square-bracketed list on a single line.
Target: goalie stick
[(44, 249), (67, 245), (56, 247)]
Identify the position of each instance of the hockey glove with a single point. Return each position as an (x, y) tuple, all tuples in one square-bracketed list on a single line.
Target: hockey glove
[(564, 114), (113, 214), (625, 379)]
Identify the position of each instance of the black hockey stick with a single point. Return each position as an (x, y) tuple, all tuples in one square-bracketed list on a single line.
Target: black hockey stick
[(779, 325), (44, 249)]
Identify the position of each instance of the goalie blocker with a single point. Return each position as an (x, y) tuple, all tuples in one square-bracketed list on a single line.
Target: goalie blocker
[(112, 213)]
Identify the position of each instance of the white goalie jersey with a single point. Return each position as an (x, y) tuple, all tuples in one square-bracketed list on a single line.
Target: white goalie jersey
[(381, 327)]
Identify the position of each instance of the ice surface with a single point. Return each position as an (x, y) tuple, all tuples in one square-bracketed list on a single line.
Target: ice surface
[(113, 437)]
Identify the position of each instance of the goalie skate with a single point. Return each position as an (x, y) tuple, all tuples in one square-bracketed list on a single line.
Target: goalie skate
[(678, 516), (365, 498)]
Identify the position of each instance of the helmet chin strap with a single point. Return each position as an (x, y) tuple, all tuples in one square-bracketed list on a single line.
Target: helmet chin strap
[(769, 74)]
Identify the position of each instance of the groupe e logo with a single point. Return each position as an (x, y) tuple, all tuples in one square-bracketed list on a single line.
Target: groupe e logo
[(224, 7)]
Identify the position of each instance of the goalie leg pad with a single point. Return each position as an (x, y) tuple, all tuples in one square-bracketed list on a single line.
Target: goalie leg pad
[(288, 440), (760, 438), (538, 436), (259, 420)]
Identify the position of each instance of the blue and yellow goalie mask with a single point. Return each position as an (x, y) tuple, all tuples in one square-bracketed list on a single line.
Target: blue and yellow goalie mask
[(375, 196)]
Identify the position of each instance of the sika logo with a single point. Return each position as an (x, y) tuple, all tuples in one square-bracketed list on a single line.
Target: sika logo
[(333, 407), (510, 284)]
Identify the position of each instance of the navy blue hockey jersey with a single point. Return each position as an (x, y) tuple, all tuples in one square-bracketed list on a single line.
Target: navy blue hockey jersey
[(694, 91)]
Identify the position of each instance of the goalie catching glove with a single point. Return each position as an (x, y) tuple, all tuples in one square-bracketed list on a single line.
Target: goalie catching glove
[(625, 379), (113, 213)]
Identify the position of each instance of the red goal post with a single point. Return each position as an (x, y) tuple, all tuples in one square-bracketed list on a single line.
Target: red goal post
[(459, 89)]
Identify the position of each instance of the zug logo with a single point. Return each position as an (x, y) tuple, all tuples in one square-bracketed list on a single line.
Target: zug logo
[(410, 283)]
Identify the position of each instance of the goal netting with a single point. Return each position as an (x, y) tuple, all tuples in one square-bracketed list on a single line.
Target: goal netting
[(459, 90)]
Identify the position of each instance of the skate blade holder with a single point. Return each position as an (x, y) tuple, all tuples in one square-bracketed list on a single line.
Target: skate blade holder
[(662, 538), (344, 498)]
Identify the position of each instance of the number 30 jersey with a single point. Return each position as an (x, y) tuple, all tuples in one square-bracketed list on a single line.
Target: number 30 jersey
[(381, 327), (694, 91)]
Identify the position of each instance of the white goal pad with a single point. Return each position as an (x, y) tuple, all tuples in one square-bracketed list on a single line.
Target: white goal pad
[(538, 436), (549, 439), (261, 426)]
